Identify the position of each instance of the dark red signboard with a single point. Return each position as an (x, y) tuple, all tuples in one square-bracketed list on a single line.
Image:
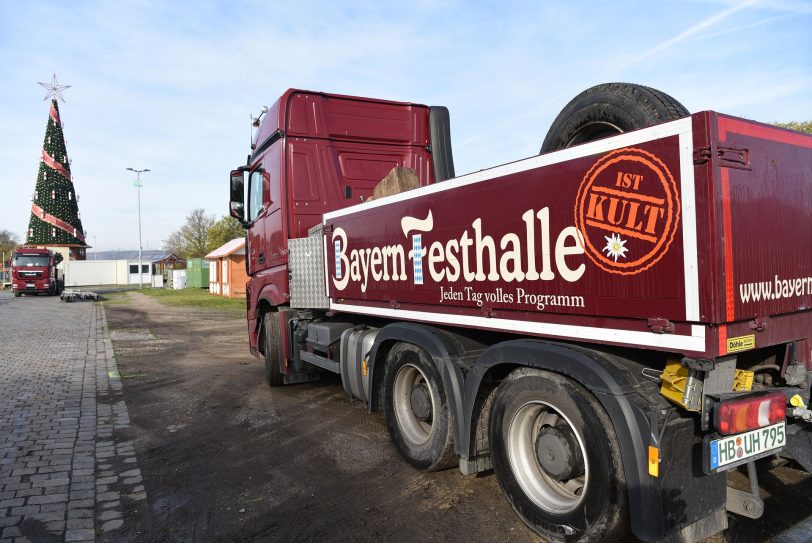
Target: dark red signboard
[(683, 237), (588, 233)]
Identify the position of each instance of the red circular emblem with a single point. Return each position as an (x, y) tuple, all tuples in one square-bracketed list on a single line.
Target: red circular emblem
[(627, 211)]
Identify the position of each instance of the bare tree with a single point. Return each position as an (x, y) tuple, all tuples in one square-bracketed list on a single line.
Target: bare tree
[(190, 240), (8, 241), (174, 244)]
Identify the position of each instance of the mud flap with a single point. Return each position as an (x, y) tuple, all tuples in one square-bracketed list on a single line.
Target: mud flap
[(799, 445)]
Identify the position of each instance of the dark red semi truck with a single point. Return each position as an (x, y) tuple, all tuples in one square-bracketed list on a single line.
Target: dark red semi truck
[(34, 271), (609, 326)]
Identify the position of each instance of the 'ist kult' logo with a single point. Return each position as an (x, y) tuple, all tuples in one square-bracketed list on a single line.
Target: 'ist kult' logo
[(627, 210)]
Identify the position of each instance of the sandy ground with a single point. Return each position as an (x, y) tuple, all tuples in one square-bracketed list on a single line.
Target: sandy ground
[(225, 458)]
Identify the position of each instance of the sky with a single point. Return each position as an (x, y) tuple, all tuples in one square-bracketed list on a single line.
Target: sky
[(171, 86)]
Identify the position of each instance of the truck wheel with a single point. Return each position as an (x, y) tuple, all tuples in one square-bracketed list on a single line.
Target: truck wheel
[(17, 294), (416, 409), (556, 458), (607, 110), (273, 350)]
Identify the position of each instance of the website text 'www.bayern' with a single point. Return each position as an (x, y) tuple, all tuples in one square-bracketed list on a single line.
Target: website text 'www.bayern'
[(776, 289)]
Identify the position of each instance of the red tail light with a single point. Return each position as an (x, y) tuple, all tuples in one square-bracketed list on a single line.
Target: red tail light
[(743, 414)]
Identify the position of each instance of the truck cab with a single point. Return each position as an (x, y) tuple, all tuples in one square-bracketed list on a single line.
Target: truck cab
[(314, 153), (34, 271)]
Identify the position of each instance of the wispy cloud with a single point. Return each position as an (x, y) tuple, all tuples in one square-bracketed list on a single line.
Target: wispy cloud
[(686, 34), (750, 26)]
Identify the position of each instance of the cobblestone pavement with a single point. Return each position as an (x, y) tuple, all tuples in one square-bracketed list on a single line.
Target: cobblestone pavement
[(66, 469)]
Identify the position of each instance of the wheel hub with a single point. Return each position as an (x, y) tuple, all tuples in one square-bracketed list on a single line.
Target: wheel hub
[(420, 401), (558, 453)]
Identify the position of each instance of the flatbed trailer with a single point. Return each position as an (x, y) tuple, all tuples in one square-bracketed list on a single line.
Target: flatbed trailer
[(610, 327)]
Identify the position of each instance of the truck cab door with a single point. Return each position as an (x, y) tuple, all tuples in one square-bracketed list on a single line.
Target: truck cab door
[(267, 239), (256, 209)]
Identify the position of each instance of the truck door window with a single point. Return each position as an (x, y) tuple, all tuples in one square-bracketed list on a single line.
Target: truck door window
[(254, 194)]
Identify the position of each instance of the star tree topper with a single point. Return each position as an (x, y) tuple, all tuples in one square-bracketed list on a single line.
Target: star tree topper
[(54, 89)]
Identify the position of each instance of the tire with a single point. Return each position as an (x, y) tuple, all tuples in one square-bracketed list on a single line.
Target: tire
[(577, 492), (607, 110), (17, 294), (416, 409), (273, 350)]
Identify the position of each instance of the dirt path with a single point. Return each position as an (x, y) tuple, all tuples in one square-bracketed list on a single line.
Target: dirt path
[(226, 459)]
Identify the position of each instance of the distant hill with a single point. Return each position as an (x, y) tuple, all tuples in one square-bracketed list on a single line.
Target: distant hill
[(148, 255)]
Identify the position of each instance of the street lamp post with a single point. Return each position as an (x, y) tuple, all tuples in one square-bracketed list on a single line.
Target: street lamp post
[(138, 185)]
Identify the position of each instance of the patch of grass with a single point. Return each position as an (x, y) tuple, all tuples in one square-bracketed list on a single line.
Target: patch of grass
[(196, 297)]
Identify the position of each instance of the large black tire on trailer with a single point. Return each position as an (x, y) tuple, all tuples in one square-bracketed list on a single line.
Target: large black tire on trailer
[(273, 350), (557, 459), (416, 409), (607, 110)]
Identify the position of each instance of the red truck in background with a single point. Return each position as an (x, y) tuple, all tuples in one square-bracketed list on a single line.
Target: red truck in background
[(34, 271), (609, 326)]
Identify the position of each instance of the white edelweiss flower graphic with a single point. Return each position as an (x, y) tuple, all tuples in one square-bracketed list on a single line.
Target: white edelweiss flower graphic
[(615, 247)]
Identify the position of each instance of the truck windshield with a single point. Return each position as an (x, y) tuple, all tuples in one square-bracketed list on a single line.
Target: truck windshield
[(29, 260)]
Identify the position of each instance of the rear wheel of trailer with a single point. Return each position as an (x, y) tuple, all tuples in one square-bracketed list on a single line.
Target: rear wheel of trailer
[(557, 459)]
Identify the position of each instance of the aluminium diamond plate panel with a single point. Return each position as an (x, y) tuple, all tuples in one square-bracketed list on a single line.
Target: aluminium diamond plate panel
[(306, 266)]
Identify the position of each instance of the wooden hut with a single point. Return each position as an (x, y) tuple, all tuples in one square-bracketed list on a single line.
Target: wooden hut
[(164, 268), (227, 275)]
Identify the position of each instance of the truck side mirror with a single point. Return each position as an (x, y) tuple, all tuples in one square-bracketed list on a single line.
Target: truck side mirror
[(237, 203)]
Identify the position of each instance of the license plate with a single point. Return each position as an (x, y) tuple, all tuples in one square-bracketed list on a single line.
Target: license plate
[(30, 285), (730, 451)]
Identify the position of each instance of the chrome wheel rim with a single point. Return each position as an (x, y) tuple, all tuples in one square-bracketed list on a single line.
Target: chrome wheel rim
[(408, 378), (548, 493)]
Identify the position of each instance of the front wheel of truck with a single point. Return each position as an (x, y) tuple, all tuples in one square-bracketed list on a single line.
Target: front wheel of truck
[(416, 409), (557, 459), (272, 349)]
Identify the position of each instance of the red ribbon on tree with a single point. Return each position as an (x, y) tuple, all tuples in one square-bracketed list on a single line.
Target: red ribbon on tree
[(51, 163), (59, 223)]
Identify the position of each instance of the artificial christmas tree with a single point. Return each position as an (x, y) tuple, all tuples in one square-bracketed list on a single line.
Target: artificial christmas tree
[(55, 220)]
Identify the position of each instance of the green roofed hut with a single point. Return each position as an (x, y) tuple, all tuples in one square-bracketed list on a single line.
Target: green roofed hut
[(197, 273)]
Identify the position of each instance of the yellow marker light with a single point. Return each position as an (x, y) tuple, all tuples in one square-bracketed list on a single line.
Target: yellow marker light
[(364, 367), (653, 461)]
